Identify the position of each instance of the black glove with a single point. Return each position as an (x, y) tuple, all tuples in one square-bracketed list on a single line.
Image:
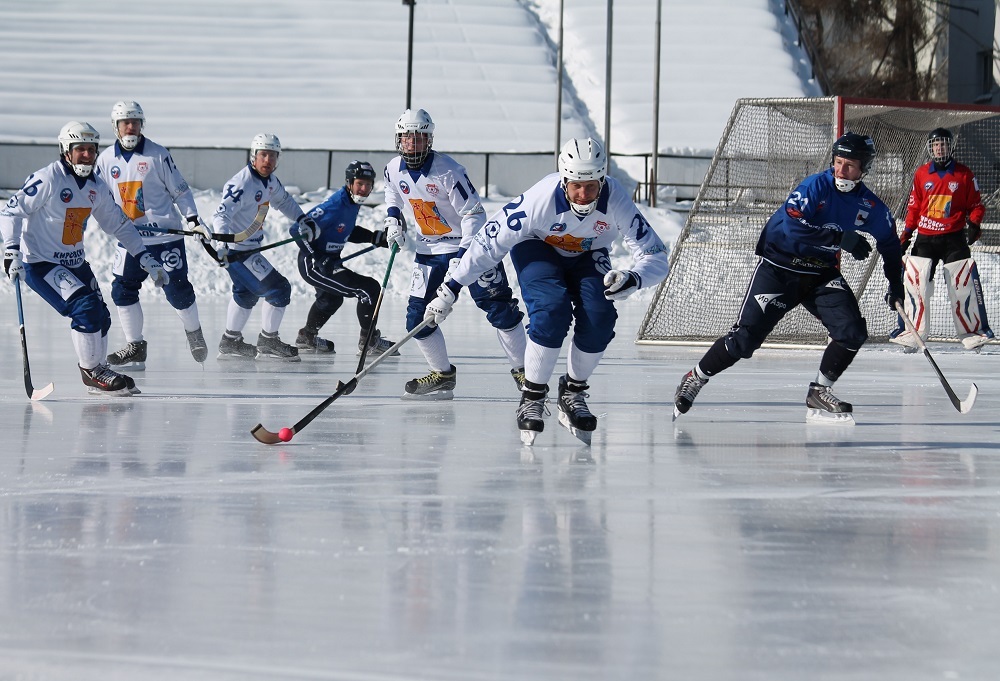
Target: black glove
[(856, 245), (379, 239), (894, 295), (329, 263), (973, 233)]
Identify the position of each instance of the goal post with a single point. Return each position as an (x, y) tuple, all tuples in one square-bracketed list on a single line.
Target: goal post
[(767, 148)]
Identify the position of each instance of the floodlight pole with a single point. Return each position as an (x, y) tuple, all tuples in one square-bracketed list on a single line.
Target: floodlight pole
[(651, 193), (559, 84), (607, 89), (409, 54)]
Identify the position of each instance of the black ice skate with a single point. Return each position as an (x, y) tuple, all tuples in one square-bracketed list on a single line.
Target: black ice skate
[(531, 411), (269, 346), (822, 406), (573, 411), (688, 389), (309, 341), (437, 385), (103, 380), (518, 375), (232, 347), (132, 356), (197, 345), (376, 347)]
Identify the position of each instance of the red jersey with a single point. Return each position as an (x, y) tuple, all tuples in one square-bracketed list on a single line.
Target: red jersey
[(941, 202)]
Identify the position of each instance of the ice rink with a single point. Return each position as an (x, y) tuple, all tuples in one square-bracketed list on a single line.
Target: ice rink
[(153, 538)]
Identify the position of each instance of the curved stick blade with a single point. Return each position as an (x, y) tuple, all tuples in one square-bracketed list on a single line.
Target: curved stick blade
[(40, 394), (264, 436), (965, 406)]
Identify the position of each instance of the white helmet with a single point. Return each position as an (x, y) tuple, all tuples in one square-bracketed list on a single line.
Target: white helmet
[(124, 111), (581, 160), (264, 140), (74, 133), (418, 121)]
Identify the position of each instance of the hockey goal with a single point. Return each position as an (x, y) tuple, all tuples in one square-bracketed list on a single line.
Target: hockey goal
[(768, 147)]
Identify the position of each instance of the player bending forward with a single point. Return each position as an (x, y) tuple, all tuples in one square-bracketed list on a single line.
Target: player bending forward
[(558, 234), (799, 251), (47, 218)]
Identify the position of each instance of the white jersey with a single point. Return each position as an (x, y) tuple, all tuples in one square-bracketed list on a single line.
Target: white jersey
[(544, 213), (48, 216), (246, 199), (439, 202), (147, 185)]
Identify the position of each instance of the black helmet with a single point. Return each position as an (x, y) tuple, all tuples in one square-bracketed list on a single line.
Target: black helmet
[(940, 135), (855, 146), (360, 170)]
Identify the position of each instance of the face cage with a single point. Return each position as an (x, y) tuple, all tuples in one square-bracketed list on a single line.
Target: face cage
[(129, 142), (414, 159), (948, 150), (587, 208)]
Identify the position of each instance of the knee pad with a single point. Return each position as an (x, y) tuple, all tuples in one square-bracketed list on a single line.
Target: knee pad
[(327, 303), (549, 326), (741, 342), (125, 292), (245, 299), (280, 295), (180, 295), (89, 314), (501, 315)]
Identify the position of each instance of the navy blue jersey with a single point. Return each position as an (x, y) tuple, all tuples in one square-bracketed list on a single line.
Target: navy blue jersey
[(337, 218), (804, 234)]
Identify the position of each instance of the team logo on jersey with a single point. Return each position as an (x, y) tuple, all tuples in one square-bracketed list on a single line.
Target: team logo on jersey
[(403, 187), (341, 227), (492, 228), (765, 299), (66, 195), (142, 168), (953, 186), (601, 227), (837, 283), (257, 197), (860, 218), (171, 259), (432, 189), (867, 204), (116, 172), (558, 227), (928, 186)]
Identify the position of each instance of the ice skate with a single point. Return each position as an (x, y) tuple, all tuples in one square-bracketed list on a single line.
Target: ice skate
[(905, 339), (233, 347), (132, 356), (974, 341), (822, 406), (309, 341), (686, 392), (270, 346), (377, 346), (437, 385), (103, 380), (197, 345), (574, 413), (518, 375), (531, 412)]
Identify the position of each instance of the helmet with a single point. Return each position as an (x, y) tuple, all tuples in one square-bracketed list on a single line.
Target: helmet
[(359, 170), (74, 133), (581, 160), (419, 122), (855, 146), (123, 111), (264, 140), (943, 157)]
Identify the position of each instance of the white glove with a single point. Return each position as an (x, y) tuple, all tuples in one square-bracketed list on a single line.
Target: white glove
[(620, 285), (439, 308), (394, 231), (12, 264), (308, 229), (452, 266), (198, 227), (155, 269)]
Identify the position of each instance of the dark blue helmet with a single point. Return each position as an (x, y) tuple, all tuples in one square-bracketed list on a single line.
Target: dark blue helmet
[(360, 170), (858, 147)]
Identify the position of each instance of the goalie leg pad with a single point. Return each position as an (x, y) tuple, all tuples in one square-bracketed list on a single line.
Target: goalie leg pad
[(967, 308), (919, 289)]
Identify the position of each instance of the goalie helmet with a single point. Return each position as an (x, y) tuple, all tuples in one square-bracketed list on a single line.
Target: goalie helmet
[(418, 124), (74, 133), (942, 155), (124, 111), (582, 160)]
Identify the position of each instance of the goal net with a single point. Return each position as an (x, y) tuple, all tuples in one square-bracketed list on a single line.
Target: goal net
[(768, 147)]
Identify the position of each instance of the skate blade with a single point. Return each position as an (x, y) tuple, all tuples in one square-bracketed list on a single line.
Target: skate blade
[(134, 366), (583, 436), (528, 437), (97, 392), (239, 358), (827, 418), (261, 357), (430, 397)]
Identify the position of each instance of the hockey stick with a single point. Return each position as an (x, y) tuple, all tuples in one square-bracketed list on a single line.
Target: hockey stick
[(378, 306), (41, 393), (225, 238), (265, 436), (963, 406)]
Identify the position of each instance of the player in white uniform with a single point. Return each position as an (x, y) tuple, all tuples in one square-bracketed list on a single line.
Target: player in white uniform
[(438, 200), (147, 185), (558, 234), (246, 199), (43, 225)]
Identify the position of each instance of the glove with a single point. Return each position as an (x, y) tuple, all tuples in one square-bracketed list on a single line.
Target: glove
[(904, 239), (12, 264), (198, 227), (856, 245), (439, 308), (894, 295), (394, 231), (155, 269), (378, 239), (308, 229), (973, 233), (620, 285), (452, 266), (329, 264)]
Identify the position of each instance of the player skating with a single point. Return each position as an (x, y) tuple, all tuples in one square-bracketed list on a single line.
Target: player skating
[(246, 199), (799, 251), (43, 226), (946, 211), (320, 266), (147, 185), (438, 200), (558, 234)]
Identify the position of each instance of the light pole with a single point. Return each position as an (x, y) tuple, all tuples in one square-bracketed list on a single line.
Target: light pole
[(409, 54)]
